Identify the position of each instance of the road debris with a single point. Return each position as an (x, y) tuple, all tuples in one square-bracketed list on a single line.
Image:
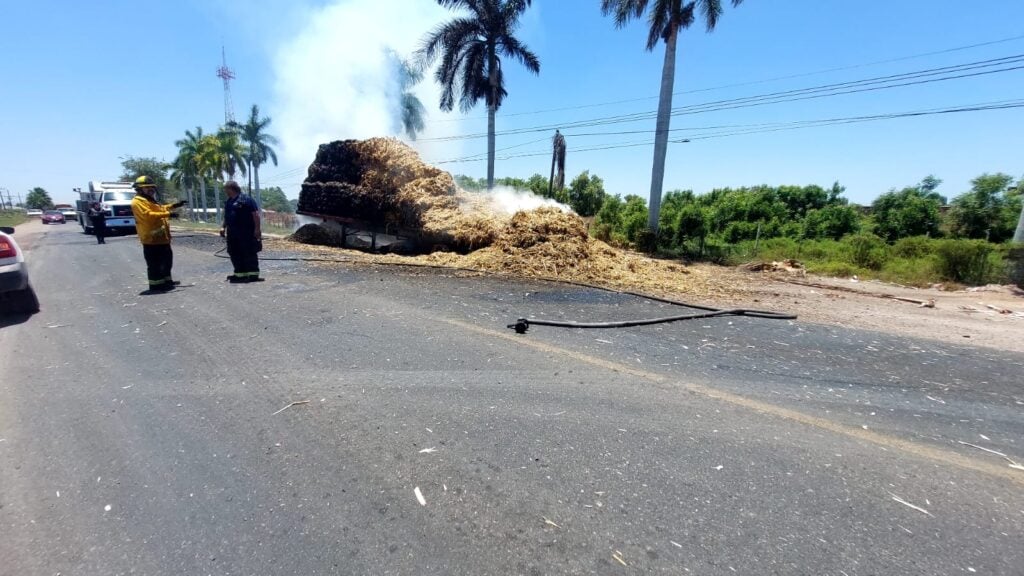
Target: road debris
[(428, 451), (419, 496), (905, 503), (161, 324), (676, 544), (618, 558), (935, 400), (549, 522), (296, 403), (106, 508), (1013, 463)]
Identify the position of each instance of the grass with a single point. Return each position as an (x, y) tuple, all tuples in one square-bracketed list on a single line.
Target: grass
[(917, 261), (12, 217)]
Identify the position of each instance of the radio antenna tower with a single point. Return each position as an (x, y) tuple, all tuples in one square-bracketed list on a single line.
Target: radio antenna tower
[(227, 75)]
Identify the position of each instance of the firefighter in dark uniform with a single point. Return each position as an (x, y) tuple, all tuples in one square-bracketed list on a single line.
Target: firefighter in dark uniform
[(98, 219), (243, 233)]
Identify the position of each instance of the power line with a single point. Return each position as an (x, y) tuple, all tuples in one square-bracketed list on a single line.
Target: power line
[(752, 82), (918, 77), (786, 126)]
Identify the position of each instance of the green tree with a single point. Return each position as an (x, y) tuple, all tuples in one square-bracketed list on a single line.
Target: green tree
[(912, 211), (208, 164), (38, 199), (471, 48), (132, 167), (586, 194), (413, 111), (274, 199), (989, 210), (466, 183), (671, 205), (260, 146), (538, 184), (667, 19), (232, 153), (633, 218), (831, 222), (691, 224), (186, 167)]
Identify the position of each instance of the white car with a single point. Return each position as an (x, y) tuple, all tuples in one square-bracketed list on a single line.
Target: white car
[(33, 212), (16, 294)]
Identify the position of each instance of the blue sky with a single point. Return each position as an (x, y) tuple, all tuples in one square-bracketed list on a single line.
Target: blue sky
[(86, 83)]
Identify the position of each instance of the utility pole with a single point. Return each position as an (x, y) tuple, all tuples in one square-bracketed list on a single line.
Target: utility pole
[(2, 205)]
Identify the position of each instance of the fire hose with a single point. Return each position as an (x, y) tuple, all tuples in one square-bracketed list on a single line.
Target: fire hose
[(523, 324)]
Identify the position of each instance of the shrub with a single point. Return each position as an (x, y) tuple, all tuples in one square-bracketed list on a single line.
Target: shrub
[(866, 250), (912, 271), (835, 268), (914, 247), (964, 261), (646, 241)]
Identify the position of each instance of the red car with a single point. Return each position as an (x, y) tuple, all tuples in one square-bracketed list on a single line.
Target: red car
[(53, 217)]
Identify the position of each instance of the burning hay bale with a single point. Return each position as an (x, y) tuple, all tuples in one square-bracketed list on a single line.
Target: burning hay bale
[(382, 182)]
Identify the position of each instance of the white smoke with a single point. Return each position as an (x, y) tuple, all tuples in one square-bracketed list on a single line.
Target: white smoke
[(337, 79), (506, 200)]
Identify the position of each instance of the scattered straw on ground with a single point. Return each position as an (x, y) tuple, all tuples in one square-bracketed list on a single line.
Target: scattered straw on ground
[(549, 243)]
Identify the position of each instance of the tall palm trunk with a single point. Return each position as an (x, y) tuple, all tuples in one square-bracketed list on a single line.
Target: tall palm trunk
[(255, 172), (216, 196), (668, 77), (202, 190), (190, 191), (250, 177), (492, 63)]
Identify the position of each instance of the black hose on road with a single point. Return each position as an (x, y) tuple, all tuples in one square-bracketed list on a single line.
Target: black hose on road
[(523, 324)]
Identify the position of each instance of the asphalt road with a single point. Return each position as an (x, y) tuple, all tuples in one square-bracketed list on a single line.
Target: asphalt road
[(145, 434)]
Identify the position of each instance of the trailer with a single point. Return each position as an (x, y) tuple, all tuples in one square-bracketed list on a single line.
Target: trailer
[(364, 235), (115, 200)]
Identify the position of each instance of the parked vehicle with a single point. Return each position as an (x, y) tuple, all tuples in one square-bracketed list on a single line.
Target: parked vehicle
[(52, 217), (115, 200), (16, 293), (33, 212), (67, 210)]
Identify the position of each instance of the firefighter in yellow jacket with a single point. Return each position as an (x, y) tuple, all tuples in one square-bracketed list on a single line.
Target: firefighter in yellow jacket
[(151, 221)]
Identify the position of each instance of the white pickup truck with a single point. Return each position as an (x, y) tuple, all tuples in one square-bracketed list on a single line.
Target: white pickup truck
[(115, 200)]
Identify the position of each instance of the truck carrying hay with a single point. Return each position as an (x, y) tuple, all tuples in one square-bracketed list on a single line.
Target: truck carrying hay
[(380, 185)]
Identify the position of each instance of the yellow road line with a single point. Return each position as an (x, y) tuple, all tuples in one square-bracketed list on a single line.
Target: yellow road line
[(891, 442)]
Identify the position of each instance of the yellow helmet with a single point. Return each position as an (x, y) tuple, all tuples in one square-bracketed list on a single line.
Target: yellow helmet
[(143, 182)]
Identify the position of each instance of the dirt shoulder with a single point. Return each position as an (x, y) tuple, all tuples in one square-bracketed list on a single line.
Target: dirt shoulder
[(991, 316)]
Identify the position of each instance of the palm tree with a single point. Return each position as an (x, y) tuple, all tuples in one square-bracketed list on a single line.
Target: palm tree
[(470, 48), (667, 19), (208, 163), (232, 153), (413, 111), (254, 135), (186, 168)]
